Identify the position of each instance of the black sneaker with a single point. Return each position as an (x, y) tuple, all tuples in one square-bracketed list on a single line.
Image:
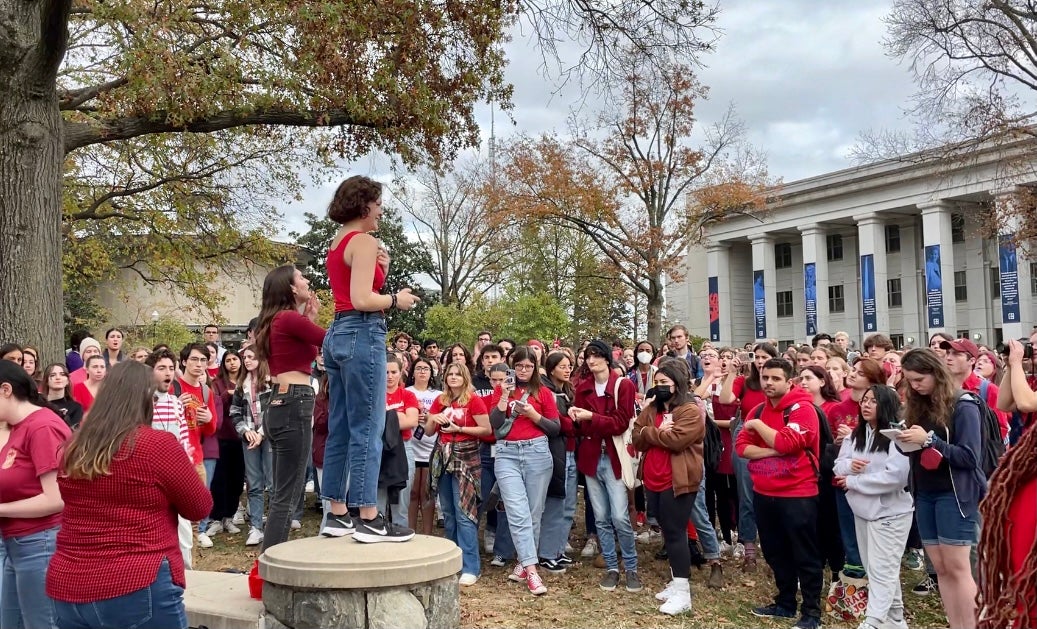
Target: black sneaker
[(565, 561), (633, 582), (338, 526), (926, 586), (381, 530), (774, 611), (808, 622), (610, 581), (552, 566)]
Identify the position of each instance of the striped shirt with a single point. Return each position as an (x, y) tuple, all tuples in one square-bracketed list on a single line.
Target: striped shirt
[(170, 417)]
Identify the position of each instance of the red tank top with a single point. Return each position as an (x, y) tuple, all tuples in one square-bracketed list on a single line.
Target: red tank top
[(339, 275)]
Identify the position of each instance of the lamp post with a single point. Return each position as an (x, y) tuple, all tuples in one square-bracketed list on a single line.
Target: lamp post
[(154, 326)]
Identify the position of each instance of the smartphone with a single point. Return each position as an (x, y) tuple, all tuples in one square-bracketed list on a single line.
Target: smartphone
[(509, 378), (745, 357)]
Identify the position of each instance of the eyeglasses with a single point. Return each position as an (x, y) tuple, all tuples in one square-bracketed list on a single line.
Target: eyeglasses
[(523, 367), (422, 369), (198, 359)]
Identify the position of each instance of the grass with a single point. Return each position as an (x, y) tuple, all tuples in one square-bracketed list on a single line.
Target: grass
[(574, 599)]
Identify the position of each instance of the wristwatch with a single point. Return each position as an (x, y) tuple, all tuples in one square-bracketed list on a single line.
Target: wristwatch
[(928, 439)]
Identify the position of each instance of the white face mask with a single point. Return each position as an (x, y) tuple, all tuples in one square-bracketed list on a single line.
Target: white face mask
[(644, 357)]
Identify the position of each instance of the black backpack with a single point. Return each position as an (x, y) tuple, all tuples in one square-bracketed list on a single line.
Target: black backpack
[(990, 430), (712, 445), (824, 468)]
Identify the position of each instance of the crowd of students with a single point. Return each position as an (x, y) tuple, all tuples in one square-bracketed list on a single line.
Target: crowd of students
[(822, 458)]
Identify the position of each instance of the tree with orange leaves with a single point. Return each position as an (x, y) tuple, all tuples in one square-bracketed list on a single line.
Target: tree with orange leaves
[(632, 182)]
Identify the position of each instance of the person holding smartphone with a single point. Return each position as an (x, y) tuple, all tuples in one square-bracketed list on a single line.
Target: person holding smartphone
[(946, 479), (874, 474)]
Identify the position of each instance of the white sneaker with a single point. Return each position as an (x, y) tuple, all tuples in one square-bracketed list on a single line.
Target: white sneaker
[(255, 537), (214, 527), (468, 579), (228, 525), (738, 551), (309, 486), (590, 549), (239, 516), (668, 591), (569, 549), (725, 548), (296, 525), (489, 538), (204, 541), (679, 603)]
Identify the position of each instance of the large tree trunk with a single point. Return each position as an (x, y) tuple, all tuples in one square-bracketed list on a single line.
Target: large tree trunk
[(33, 36), (655, 310)]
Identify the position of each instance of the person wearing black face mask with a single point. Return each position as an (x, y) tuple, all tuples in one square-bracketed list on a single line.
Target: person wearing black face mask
[(670, 431)]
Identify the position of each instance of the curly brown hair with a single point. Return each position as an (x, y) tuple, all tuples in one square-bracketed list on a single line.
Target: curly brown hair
[(938, 405), (351, 199), (1005, 597)]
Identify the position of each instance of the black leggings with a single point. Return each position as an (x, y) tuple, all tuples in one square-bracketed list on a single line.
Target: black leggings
[(673, 513), (228, 479), (722, 502)]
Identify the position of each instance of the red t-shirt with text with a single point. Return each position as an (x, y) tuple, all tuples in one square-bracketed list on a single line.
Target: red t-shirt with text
[(524, 428), (400, 400), (32, 450), (461, 416)]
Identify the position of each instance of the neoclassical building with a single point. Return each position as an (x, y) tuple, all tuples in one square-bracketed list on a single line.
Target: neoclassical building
[(896, 247)]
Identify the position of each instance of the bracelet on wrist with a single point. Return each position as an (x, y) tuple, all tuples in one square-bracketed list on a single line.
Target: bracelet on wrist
[(392, 306)]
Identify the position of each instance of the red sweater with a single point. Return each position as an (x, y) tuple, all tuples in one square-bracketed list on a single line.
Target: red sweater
[(608, 420), (790, 474), (95, 558), (294, 343)]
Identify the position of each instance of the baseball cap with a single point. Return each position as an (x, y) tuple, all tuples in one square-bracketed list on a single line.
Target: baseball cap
[(965, 346)]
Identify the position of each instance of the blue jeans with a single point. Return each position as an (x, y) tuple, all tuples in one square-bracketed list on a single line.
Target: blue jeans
[(24, 601), (157, 606), (354, 357), (608, 494), (503, 547), (210, 471), (703, 525), (259, 473), (558, 514), (523, 473), (459, 528), (487, 481), (744, 482), (400, 509), (847, 529)]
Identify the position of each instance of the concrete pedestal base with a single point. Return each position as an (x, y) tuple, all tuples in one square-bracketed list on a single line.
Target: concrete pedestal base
[(318, 583)]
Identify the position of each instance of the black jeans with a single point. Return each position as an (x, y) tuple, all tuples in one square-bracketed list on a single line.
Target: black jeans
[(788, 535), (830, 538), (227, 480), (673, 513), (288, 426), (722, 502)]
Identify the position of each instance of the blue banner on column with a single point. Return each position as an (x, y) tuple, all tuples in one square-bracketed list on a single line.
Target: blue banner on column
[(868, 292), (810, 296), (1009, 267), (714, 308), (760, 305), (933, 286)]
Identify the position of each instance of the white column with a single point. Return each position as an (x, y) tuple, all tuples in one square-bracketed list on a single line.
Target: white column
[(936, 230), (718, 265), (763, 260), (1023, 325), (912, 270), (871, 239), (815, 249)]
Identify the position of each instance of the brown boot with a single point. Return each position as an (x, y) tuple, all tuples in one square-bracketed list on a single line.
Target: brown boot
[(716, 575), (749, 563)]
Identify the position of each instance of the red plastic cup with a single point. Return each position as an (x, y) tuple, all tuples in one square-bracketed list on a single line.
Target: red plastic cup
[(255, 583)]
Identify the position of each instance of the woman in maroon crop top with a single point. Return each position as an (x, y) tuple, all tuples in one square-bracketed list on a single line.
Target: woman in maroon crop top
[(354, 357), (288, 339)]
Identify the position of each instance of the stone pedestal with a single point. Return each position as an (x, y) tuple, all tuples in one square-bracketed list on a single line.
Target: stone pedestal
[(318, 583)]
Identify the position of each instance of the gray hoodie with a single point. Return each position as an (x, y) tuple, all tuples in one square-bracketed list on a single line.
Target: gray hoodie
[(880, 490)]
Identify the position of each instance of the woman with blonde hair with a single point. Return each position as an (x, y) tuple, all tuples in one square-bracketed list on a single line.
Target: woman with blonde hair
[(120, 474), (461, 418)]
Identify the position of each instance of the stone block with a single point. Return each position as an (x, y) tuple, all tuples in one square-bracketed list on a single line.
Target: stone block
[(394, 608), (330, 609), (444, 607)]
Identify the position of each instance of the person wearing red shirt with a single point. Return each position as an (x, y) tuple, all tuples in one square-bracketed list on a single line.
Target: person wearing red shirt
[(85, 392), (119, 474), (461, 418), (354, 357), (407, 407), (202, 418), (523, 415), (747, 392), (721, 487), (603, 409), (30, 500), (780, 445), (670, 431), (961, 355)]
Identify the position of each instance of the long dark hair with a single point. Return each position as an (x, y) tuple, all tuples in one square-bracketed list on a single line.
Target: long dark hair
[(421, 360), (123, 405), (277, 296), (887, 415), (223, 375), (828, 391), (676, 369), (46, 381), (938, 405), (752, 381), (261, 376), (552, 361), (448, 356), (524, 352), (23, 387)]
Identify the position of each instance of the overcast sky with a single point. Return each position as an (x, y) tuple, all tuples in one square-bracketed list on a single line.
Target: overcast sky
[(806, 76)]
